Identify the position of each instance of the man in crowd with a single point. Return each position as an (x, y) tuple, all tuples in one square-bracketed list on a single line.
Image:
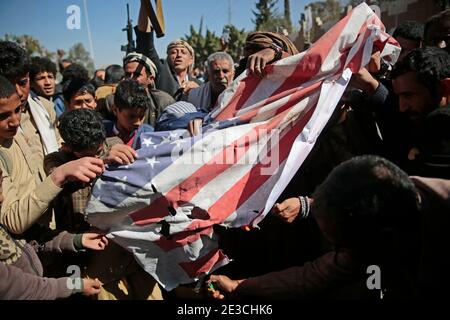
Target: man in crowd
[(27, 190), (437, 31), (409, 35), (383, 218), (140, 68), (38, 114), (42, 77), (173, 72), (104, 95), (220, 75)]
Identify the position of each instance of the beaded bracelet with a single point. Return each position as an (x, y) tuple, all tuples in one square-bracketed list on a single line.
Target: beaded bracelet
[(304, 204)]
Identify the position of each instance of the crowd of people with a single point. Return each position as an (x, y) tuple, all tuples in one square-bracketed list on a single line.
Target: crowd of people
[(373, 191)]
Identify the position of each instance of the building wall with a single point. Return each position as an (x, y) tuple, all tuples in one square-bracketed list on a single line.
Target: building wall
[(394, 12)]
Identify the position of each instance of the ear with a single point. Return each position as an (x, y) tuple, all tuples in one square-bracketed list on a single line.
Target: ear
[(445, 87), (114, 110)]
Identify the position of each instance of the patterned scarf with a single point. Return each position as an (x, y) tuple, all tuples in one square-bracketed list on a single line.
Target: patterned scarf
[(10, 249)]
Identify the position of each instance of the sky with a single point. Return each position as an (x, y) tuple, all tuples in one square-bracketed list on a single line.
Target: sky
[(46, 20)]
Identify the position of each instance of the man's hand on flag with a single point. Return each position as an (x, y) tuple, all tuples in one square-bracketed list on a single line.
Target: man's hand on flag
[(258, 61), (363, 79), (287, 210), (85, 170), (94, 241), (194, 127), (120, 154)]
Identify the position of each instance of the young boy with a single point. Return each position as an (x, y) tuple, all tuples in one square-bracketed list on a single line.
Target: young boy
[(21, 270), (27, 194), (84, 135), (79, 94), (131, 102)]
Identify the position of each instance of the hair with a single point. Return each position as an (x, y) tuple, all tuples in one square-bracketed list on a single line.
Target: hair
[(410, 30), (365, 197), (113, 74), (14, 60), (96, 82), (432, 21), (131, 95), (82, 129), (435, 144), (77, 85), (60, 64), (430, 64), (7, 89), (74, 71), (220, 56), (38, 65)]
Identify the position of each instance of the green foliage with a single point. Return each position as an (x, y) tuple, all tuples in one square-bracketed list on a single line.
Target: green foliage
[(204, 45), (264, 14), (237, 42), (78, 54), (31, 45), (268, 19)]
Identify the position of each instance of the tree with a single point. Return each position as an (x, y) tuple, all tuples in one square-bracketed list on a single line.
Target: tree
[(78, 54), (198, 42), (287, 16), (268, 19), (237, 42), (31, 45), (210, 43), (264, 14)]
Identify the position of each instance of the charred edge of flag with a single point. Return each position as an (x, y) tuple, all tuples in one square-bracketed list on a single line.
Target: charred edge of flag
[(165, 229)]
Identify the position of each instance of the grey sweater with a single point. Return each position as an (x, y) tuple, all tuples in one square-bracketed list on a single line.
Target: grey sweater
[(23, 280)]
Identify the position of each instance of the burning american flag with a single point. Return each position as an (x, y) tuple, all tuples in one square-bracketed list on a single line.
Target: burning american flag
[(163, 207)]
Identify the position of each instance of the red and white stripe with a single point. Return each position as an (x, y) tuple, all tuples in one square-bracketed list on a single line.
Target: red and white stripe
[(289, 107)]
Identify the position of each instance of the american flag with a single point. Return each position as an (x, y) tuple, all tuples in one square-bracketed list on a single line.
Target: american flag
[(163, 207)]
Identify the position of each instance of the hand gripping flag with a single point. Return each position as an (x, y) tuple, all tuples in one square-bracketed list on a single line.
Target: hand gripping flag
[(163, 207)]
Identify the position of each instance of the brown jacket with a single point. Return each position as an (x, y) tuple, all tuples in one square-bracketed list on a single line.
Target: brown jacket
[(26, 189)]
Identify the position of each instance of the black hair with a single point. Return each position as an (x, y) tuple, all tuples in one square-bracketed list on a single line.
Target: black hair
[(38, 65), (75, 85), (96, 82), (7, 89), (14, 61), (113, 74), (435, 144), (430, 64), (435, 20), (410, 30), (74, 71), (82, 129), (130, 94), (364, 197)]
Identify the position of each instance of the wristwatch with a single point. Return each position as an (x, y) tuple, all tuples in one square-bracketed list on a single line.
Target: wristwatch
[(278, 51)]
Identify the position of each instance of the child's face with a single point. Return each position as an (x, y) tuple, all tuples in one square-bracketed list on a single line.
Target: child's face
[(130, 120), (44, 84), (10, 113), (82, 101)]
